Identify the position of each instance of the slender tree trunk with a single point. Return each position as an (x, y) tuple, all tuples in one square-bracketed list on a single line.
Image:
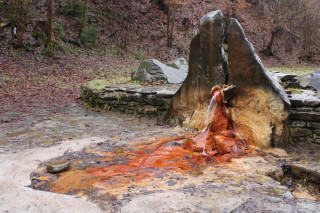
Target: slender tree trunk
[(49, 24), (83, 18), (20, 25), (268, 50), (173, 21), (168, 23)]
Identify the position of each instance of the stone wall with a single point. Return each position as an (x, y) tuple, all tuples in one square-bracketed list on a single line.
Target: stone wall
[(153, 101), (305, 117), (147, 101)]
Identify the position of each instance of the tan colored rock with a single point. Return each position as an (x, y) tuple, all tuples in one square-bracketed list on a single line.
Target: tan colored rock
[(260, 107), (190, 103)]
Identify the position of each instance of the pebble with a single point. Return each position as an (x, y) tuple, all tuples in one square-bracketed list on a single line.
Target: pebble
[(56, 166), (288, 196), (274, 199)]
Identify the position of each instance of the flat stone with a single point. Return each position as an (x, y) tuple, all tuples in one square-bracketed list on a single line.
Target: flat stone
[(56, 166), (298, 124), (304, 100), (146, 91), (313, 125), (285, 76), (308, 116), (165, 93)]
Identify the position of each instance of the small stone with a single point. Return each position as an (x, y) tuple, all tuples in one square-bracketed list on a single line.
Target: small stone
[(274, 199), (288, 196), (56, 166), (298, 124)]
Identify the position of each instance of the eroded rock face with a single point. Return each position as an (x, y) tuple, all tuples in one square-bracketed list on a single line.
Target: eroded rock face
[(190, 103), (260, 107)]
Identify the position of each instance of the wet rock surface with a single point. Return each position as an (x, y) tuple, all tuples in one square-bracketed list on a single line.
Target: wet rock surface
[(242, 185), (58, 166), (189, 104), (259, 99)]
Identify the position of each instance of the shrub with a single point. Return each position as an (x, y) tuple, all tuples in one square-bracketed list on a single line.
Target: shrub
[(89, 35), (73, 7)]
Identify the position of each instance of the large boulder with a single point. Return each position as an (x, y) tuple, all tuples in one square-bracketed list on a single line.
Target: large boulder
[(153, 70), (260, 107), (189, 105)]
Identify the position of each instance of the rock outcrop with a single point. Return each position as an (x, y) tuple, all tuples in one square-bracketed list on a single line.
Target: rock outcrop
[(153, 70), (190, 103), (260, 107), (257, 103), (312, 81)]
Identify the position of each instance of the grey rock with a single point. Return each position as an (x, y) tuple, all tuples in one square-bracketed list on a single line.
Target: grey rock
[(304, 100), (285, 77), (288, 195), (274, 199), (153, 70), (295, 85), (180, 64), (311, 80), (56, 166), (298, 124), (165, 93)]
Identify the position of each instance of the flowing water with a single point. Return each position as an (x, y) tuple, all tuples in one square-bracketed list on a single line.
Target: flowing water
[(218, 142)]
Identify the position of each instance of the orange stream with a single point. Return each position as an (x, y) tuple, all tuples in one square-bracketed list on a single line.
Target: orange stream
[(220, 140), (221, 143)]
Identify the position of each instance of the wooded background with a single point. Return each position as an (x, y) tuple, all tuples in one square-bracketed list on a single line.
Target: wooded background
[(162, 29)]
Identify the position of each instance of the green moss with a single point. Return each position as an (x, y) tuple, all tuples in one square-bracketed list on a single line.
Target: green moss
[(99, 84), (294, 70), (295, 91)]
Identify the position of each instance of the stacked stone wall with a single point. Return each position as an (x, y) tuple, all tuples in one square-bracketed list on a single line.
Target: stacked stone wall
[(144, 101), (305, 118), (130, 99)]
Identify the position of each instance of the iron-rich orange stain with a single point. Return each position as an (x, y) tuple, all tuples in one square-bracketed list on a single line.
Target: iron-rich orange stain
[(219, 141)]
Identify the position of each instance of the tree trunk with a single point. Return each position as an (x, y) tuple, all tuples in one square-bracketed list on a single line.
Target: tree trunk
[(268, 50), (49, 24), (83, 18), (168, 23)]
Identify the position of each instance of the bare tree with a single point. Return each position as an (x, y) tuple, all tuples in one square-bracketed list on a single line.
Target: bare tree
[(171, 21), (297, 20), (49, 30)]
